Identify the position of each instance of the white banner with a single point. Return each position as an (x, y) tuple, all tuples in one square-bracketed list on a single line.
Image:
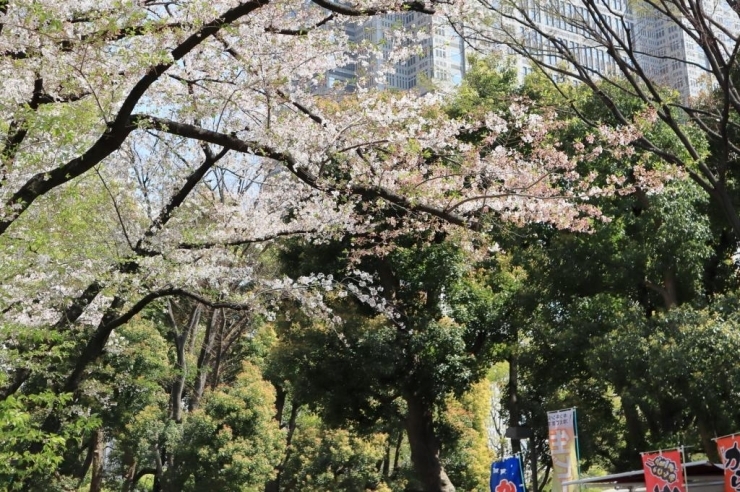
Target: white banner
[(563, 447)]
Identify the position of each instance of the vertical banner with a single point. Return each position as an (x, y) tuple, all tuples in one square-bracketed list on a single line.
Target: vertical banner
[(663, 471), (563, 447), (506, 475), (729, 451)]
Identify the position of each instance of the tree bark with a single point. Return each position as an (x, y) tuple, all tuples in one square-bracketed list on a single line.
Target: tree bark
[(397, 453), (425, 449), (204, 359), (160, 481), (514, 414), (274, 484), (216, 372), (96, 482), (706, 435), (722, 196), (386, 463), (82, 471), (181, 338), (667, 291), (280, 397), (635, 432), (129, 465), (533, 462)]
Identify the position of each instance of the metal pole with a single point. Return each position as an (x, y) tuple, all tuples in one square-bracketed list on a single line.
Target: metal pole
[(533, 458)]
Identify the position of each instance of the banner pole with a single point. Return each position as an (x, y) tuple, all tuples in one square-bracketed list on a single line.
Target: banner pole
[(533, 458), (685, 473), (728, 435), (578, 446), (659, 451), (521, 473)]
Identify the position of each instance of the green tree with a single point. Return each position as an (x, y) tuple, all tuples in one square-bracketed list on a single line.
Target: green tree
[(440, 339), (609, 321), (21, 419), (232, 442), (326, 458)]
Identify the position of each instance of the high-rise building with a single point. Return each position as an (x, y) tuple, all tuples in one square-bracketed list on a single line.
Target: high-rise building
[(665, 52), (670, 56), (567, 22), (437, 56)]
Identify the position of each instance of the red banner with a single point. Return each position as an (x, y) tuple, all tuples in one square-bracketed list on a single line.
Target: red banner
[(663, 471), (729, 451)]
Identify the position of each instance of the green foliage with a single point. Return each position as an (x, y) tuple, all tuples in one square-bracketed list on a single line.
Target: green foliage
[(624, 322), (137, 369), (233, 443), (447, 355), (324, 458), (600, 338), (464, 435), (27, 452), (359, 373), (488, 85)]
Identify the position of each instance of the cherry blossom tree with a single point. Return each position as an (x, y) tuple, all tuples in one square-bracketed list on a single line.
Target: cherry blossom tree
[(678, 57), (146, 142)]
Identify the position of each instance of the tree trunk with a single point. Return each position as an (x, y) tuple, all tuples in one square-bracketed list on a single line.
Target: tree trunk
[(425, 447), (129, 466), (386, 463), (216, 371), (160, 481), (706, 435), (82, 471), (204, 359), (725, 201), (181, 338), (514, 414), (274, 484), (667, 291), (397, 453), (96, 482), (533, 458), (280, 396), (635, 432), (178, 387)]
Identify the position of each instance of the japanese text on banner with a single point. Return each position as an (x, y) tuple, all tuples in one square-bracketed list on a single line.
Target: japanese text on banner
[(729, 451), (563, 448), (663, 471), (506, 475)]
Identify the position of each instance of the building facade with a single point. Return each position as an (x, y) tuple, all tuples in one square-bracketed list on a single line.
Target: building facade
[(666, 53), (436, 54), (670, 56)]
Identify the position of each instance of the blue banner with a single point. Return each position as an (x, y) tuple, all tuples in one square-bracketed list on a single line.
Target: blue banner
[(506, 475)]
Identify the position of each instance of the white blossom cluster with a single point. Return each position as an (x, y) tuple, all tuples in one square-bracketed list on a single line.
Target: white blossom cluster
[(156, 146)]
